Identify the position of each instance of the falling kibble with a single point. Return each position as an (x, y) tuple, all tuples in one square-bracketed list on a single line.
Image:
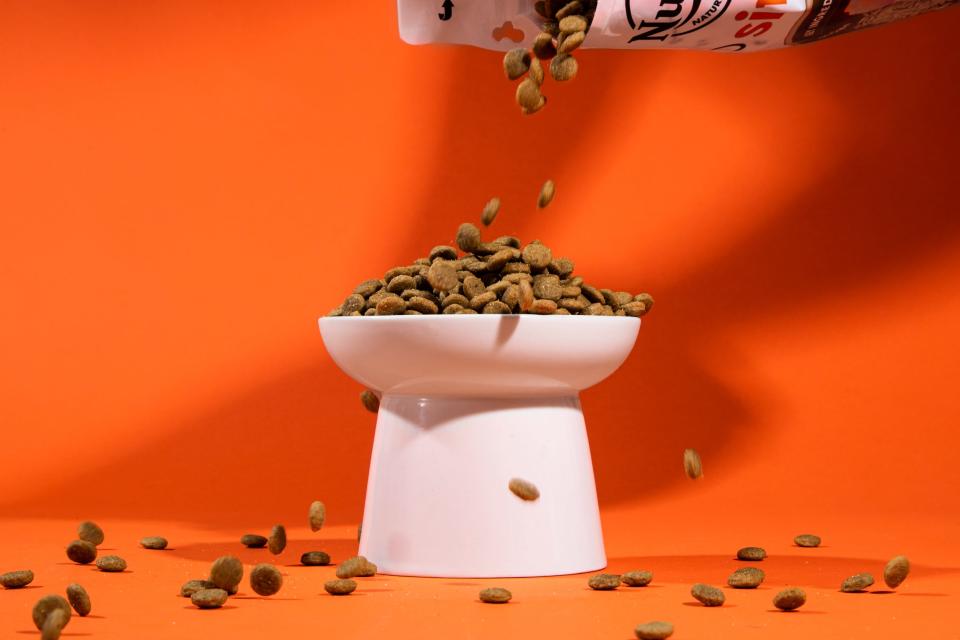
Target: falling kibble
[(896, 571), (523, 489), (253, 541), (81, 552), (636, 578), (370, 401), (604, 582), (746, 578), (490, 212), (79, 599), (495, 595), (91, 532), (751, 554), (655, 630), (16, 579), (277, 541), (790, 599), (856, 583), (209, 598), (226, 572), (265, 580), (46, 605), (516, 62), (564, 67), (154, 542), (111, 564), (54, 624), (315, 559), (807, 540), (707, 595), (340, 587), (547, 192), (316, 515), (692, 465)]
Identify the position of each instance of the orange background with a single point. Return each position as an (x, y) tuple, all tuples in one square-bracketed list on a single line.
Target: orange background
[(186, 186)]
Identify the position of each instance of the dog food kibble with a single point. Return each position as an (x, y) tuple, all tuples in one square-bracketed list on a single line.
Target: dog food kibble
[(547, 192), (468, 237), (356, 566), (746, 578), (604, 582), (529, 97), (53, 625), (708, 596), (536, 71), (495, 595), (752, 554), (192, 586), (265, 579), (896, 571), (111, 564), (807, 540), (340, 587), (655, 630), (856, 583), (315, 559), (277, 541), (226, 572), (516, 62), (523, 489), (370, 401), (209, 598), (564, 67), (154, 542), (48, 604), (79, 599), (636, 578), (91, 532), (790, 599), (16, 579), (691, 464), (442, 276), (316, 515), (82, 552), (253, 541)]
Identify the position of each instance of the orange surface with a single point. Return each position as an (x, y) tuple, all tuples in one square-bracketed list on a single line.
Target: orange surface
[(186, 186)]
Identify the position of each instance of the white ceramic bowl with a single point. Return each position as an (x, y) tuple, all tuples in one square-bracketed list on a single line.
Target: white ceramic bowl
[(469, 402)]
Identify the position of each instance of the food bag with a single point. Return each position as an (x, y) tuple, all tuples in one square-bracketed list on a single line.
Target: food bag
[(714, 25)]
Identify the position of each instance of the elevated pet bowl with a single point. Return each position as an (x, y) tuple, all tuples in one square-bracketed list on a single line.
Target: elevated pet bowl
[(469, 402)]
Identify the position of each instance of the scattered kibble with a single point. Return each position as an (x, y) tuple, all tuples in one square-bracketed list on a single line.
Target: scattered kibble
[(807, 540), (340, 587), (636, 578), (154, 542), (111, 564), (896, 571), (316, 515), (547, 192), (495, 595), (315, 559), (209, 598), (79, 599), (691, 464), (790, 599), (265, 579), (226, 572), (707, 595), (46, 605), (277, 541), (746, 578), (54, 624), (604, 582), (16, 579), (655, 630), (751, 554), (356, 566), (190, 587), (523, 489), (253, 541), (81, 552), (856, 583), (91, 532), (369, 399)]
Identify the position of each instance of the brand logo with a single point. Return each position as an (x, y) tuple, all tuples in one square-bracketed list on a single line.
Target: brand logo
[(674, 18)]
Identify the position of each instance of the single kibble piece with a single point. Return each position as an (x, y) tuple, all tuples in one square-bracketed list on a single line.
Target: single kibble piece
[(572, 24), (807, 540), (153, 542), (604, 582), (856, 583), (564, 67), (340, 587), (495, 595), (316, 558), (543, 47), (547, 192), (316, 515), (516, 62), (574, 8), (468, 237), (79, 599), (526, 295), (370, 401), (226, 572), (536, 71), (91, 532), (655, 630), (790, 599), (391, 305), (691, 464), (46, 605), (442, 276), (277, 541), (356, 566), (16, 579), (82, 552), (54, 623), (536, 255), (896, 571), (707, 595), (529, 96), (524, 489), (265, 579), (253, 541), (572, 42), (190, 587), (746, 578), (111, 564), (752, 554), (209, 598), (637, 578)]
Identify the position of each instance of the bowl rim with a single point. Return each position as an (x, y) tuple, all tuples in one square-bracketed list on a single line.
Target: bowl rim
[(474, 316)]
